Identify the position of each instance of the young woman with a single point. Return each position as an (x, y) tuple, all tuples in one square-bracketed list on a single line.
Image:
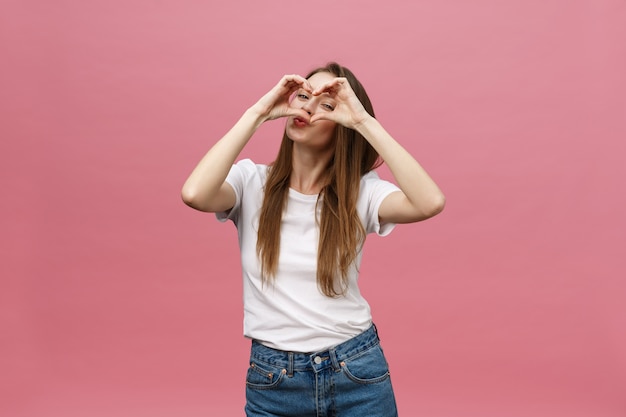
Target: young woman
[(302, 222)]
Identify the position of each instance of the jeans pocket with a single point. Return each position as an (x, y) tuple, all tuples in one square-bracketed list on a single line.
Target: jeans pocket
[(263, 376), (369, 367)]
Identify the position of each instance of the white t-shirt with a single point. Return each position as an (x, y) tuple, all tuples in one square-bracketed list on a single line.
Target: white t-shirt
[(291, 313)]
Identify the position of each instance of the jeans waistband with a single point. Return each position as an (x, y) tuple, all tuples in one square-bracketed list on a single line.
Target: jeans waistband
[(298, 361)]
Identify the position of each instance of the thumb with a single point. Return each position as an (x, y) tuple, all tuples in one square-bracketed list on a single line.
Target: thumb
[(321, 116), (298, 113)]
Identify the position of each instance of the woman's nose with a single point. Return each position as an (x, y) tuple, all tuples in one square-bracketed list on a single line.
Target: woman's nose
[(307, 107)]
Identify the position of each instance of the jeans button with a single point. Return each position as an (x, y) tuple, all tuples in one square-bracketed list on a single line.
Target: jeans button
[(317, 360)]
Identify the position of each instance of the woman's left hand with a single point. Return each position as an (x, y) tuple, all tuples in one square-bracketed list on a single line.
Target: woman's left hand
[(348, 111)]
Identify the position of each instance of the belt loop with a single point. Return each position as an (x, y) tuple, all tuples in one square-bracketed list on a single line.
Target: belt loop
[(333, 358), (290, 365)]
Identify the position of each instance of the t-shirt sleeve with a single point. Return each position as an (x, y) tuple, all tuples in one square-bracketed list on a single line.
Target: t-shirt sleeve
[(237, 177), (373, 191)]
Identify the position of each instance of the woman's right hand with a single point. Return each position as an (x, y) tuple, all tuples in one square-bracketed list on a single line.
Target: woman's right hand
[(275, 104)]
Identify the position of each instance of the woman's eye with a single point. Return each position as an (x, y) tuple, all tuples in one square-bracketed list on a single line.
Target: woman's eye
[(303, 96), (329, 107)]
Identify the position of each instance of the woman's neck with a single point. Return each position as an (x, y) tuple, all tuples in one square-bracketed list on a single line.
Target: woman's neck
[(308, 175)]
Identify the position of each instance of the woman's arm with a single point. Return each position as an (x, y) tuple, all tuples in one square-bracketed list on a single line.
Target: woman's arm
[(206, 189), (420, 198)]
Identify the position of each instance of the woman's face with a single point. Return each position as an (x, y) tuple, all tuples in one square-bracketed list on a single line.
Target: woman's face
[(320, 133)]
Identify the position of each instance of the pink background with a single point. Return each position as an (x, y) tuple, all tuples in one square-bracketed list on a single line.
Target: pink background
[(117, 300)]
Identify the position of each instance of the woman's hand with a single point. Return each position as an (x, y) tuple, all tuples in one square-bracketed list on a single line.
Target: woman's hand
[(348, 111), (275, 104)]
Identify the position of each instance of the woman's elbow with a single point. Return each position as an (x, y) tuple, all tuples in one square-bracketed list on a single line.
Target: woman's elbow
[(190, 197), (209, 201), (434, 206), (438, 204)]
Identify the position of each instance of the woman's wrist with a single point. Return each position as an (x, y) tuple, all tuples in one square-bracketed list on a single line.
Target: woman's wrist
[(365, 125), (255, 116)]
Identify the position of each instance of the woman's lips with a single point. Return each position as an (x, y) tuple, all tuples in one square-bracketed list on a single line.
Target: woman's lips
[(300, 122)]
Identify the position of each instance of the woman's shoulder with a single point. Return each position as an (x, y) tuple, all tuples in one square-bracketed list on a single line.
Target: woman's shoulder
[(370, 177), (252, 168), (372, 183), (246, 173)]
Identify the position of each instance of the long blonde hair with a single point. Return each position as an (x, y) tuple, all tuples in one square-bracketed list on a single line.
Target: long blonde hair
[(341, 230)]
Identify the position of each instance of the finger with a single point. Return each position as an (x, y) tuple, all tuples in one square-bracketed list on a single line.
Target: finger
[(294, 78), (291, 112), (294, 81), (322, 116), (331, 86)]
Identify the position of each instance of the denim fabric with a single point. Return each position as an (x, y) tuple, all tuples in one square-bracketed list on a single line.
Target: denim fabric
[(348, 380)]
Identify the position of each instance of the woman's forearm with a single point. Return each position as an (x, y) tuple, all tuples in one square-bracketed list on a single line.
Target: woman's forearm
[(423, 197), (204, 189)]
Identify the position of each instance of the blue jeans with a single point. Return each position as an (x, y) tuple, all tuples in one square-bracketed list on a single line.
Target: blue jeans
[(347, 380)]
